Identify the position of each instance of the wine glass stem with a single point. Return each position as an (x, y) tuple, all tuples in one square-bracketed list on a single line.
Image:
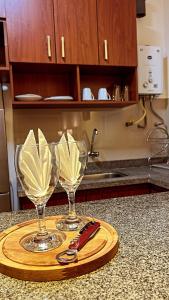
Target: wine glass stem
[(40, 208), (72, 211)]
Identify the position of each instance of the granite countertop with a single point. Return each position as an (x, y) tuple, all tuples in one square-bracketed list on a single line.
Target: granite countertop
[(140, 269), (137, 172), (134, 175)]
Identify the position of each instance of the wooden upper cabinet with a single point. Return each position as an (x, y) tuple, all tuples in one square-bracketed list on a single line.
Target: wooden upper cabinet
[(2, 8), (76, 31), (30, 28), (117, 32)]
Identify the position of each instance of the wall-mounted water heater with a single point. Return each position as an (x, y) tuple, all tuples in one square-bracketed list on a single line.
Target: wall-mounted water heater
[(150, 70)]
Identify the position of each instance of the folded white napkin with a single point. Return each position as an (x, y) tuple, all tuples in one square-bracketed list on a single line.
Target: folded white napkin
[(68, 153), (35, 164)]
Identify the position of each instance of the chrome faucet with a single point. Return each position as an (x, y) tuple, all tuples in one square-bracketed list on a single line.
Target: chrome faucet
[(93, 153)]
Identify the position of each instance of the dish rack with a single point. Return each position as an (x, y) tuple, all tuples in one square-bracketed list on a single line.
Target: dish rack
[(158, 138)]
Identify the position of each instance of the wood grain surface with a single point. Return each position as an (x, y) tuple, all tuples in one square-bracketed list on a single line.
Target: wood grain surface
[(76, 21), (18, 263), (2, 9), (117, 25), (29, 23)]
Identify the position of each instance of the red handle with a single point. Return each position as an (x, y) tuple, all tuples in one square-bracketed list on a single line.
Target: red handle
[(85, 236)]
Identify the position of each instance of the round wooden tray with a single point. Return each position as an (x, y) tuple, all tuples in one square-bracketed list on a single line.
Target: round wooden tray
[(17, 262)]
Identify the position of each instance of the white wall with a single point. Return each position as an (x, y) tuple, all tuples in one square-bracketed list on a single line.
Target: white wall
[(114, 141)]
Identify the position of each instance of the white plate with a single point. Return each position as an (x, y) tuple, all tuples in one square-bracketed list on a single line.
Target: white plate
[(28, 97), (59, 98)]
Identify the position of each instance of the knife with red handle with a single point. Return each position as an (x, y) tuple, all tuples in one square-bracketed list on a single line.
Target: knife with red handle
[(85, 234)]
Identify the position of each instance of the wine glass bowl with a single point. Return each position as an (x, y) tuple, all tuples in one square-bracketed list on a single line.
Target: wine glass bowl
[(37, 172), (73, 157)]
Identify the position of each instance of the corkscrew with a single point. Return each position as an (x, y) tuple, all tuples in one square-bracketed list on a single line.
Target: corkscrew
[(85, 234)]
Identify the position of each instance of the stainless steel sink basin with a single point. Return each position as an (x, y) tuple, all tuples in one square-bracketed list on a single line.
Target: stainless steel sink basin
[(104, 176)]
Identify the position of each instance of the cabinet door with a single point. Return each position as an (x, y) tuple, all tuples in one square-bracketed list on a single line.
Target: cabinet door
[(30, 28), (117, 32), (76, 31), (2, 8)]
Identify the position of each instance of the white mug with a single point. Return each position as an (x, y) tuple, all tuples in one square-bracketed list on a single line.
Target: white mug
[(87, 94), (103, 94)]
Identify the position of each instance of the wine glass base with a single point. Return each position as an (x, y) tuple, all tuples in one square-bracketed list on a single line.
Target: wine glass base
[(34, 243), (66, 224)]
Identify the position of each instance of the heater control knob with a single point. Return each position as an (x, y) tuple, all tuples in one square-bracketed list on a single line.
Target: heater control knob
[(145, 84)]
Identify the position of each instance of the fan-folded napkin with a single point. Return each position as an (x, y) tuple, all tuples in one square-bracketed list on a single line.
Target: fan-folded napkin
[(69, 156), (35, 164)]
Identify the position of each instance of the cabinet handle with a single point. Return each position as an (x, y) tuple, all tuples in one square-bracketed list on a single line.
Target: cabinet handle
[(105, 50), (49, 46), (62, 46)]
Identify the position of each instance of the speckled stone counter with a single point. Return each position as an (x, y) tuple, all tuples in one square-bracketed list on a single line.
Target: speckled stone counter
[(137, 172), (140, 270)]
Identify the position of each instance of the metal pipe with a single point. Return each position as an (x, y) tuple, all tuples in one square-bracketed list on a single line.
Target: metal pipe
[(156, 114), (144, 116)]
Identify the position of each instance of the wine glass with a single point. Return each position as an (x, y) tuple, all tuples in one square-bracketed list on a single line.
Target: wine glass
[(73, 157), (38, 174)]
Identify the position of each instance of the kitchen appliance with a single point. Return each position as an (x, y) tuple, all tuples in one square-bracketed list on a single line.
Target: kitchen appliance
[(5, 203), (150, 70)]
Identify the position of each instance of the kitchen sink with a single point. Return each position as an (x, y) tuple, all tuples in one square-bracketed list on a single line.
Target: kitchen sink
[(104, 175)]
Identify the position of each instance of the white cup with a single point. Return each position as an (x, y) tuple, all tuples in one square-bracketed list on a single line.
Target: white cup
[(103, 94), (87, 94)]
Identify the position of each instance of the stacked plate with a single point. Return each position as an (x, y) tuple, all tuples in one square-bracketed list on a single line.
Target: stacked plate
[(34, 97), (28, 97), (59, 98)]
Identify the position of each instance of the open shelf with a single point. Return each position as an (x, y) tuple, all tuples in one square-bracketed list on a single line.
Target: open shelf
[(107, 77), (44, 80), (69, 80), (95, 104)]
